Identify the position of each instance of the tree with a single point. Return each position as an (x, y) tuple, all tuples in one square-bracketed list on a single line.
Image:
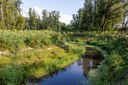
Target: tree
[(112, 13), (55, 20), (50, 20), (18, 4), (33, 18), (45, 15), (100, 15), (9, 12), (125, 20), (77, 21), (20, 21), (83, 20)]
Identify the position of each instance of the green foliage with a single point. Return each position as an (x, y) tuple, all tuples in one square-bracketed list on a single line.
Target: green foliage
[(20, 22), (15, 40), (48, 20), (5, 61), (100, 15), (12, 75), (38, 63), (113, 70), (11, 18), (33, 18), (10, 12), (34, 54)]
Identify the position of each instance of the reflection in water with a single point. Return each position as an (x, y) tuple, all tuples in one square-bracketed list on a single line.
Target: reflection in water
[(75, 74), (86, 64)]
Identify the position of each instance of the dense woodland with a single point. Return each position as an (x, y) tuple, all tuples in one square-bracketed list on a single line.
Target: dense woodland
[(24, 41)]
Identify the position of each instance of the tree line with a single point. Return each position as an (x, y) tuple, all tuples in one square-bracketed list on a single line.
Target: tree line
[(11, 18), (96, 15), (49, 20), (101, 15)]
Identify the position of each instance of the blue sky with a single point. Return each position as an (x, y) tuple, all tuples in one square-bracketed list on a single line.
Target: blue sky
[(65, 7)]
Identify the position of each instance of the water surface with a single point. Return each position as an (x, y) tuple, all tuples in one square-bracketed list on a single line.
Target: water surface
[(75, 74)]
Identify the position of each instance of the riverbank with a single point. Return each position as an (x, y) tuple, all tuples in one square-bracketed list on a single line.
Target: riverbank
[(70, 75), (51, 60), (35, 63), (32, 54), (113, 69)]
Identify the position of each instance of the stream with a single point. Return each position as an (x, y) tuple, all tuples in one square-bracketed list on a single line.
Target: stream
[(74, 74)]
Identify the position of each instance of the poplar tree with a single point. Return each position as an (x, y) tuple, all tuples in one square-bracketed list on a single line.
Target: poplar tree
[(33, 17)]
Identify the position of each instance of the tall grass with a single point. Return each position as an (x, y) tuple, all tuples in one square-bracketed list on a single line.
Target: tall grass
[(29, 56), (15, 40)]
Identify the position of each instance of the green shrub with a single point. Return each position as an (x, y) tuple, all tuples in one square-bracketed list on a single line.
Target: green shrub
[(15, 40), (12, 75)]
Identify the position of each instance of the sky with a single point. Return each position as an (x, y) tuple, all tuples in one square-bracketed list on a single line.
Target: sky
[(65, 7)]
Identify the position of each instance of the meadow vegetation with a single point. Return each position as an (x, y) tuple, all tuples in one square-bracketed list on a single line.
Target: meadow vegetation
[(33, 54), (33, 46)]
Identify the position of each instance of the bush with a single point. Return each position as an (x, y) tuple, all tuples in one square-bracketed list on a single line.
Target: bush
[(114, 70), (12, 75), (15, 40)]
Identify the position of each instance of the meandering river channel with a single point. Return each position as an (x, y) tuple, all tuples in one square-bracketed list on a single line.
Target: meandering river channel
[(74, 74)]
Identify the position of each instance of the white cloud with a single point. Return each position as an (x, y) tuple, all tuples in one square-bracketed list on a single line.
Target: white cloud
[(24, 13), (63, 17), (38, 10)]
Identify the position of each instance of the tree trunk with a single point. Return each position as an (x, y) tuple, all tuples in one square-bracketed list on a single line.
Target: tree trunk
[(103, 25), (1, 12), (124, 24)]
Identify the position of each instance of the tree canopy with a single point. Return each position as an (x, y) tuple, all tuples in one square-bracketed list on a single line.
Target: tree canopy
[(96, 15), (100, 15)]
